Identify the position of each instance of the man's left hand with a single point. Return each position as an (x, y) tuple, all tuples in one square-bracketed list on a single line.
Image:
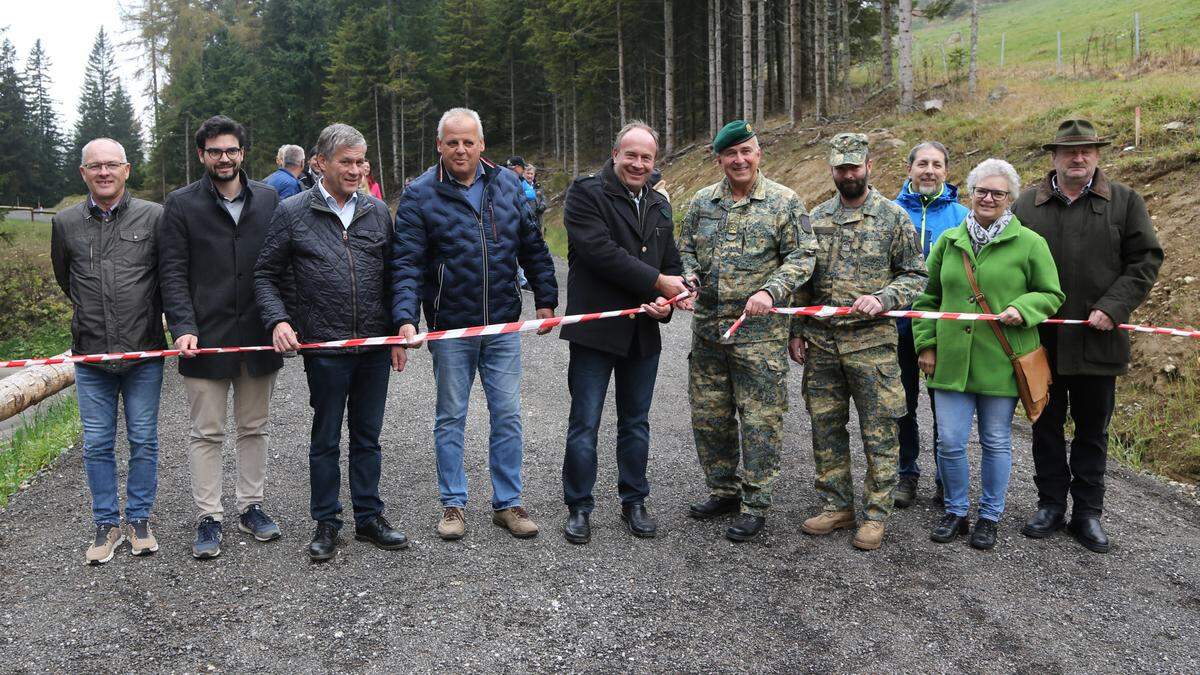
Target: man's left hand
[(545, 313), (759, 304), (867, 304), (1100, 321)]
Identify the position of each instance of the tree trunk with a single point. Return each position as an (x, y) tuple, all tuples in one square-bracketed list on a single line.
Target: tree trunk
[(885, 40), (827, 63), (621, 64), (761, 79), (574, 133), (906, 62), (712, 69), (793, 89), (669, 75), (512, 103), (32, 385), (844, 48), (378, 138), (719, 50), (971, 70), (397, 152), (747, 63), (818, 58)]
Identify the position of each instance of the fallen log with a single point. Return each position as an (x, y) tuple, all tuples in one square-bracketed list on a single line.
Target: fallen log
[(33, 385)]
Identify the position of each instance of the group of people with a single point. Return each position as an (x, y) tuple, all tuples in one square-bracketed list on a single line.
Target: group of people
[(293, 174), (231, 262)]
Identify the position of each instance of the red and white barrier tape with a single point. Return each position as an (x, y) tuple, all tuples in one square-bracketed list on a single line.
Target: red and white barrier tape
[(823, 311), (491, 329)]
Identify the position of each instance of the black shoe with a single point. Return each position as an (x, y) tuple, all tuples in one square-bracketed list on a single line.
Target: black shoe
[(939, 496), (983, 537), (714, 506), (324, 542), (1087, 531), (383, 535), (208, 539), (745, 528), (1044, 523), (578, 530), (638, 520), (906, 491), (949, 527)]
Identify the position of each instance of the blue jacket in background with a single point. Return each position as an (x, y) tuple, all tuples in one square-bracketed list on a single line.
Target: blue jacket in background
[(461, 266), (530, 192), (930, 220), (284, 183)]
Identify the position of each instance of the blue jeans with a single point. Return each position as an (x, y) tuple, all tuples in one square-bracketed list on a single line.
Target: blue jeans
[(587, 379), (354, 385), (955, 411), (98, 390), (497, 359)]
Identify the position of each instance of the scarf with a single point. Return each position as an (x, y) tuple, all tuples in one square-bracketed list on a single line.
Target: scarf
[(980, 235)]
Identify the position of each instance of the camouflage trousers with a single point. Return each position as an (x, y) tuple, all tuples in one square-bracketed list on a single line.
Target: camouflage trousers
[(872, 377), (732, 382)]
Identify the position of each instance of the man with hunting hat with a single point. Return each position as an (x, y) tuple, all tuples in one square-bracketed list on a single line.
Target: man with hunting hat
[(868, 258), (1108, 257), (747, 244)]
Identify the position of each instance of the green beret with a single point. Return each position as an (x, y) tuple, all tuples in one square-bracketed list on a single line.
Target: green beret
[(848, 149), (737, 131)]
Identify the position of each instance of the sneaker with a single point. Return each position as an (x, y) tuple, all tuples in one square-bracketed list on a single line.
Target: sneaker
[(453, 524), (108, 538), (254, 522), (141, 538), (906, 491), (517, 521), (208, 539)]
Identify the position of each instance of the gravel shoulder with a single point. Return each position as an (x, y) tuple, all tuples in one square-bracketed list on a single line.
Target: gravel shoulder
[(686, 601)]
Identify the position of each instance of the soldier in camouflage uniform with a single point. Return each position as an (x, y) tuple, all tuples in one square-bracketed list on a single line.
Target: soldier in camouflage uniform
[(867, 258), (746, 241)]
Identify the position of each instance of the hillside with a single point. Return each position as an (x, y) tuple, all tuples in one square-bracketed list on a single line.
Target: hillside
[(1158, 421)]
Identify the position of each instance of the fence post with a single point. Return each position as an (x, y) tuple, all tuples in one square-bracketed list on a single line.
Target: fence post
[(1002, 37), (1137, 35), (1059, 68)]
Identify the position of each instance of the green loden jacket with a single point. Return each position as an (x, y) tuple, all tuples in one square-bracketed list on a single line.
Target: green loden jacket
[(1014, 269)]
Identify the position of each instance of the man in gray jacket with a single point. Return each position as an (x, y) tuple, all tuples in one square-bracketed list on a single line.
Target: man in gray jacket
[(106, 262)]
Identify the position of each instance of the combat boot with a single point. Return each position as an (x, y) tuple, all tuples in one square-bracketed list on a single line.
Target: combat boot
[(828, 521), (869, 535)]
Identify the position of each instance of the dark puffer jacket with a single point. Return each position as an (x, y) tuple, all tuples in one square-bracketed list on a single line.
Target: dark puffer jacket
[(340, 274), (463, 266)]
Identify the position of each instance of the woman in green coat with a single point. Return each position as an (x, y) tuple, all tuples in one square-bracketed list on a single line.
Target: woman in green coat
[(967, 368)]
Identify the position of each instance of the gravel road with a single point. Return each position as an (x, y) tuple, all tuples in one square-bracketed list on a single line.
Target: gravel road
[(686, 601)]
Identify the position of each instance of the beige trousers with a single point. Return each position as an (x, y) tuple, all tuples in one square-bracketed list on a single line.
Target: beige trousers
[(208, 400)]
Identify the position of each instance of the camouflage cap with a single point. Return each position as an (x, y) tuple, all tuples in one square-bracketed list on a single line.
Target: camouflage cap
[(848, 149)]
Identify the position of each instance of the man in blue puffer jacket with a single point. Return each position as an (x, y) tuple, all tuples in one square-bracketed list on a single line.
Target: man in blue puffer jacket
[(933, 206), (462, 229)]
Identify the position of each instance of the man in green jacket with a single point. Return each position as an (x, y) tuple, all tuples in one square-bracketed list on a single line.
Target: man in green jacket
[(1108, 258), (867, 258)]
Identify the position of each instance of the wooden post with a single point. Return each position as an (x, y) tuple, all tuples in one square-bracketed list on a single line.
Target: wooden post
[(1002, 38), (1137, 35), (1059, 68), (1137, 126)]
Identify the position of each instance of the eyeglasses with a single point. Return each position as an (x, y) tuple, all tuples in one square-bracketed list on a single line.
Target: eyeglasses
[(996, 195), (216, 153), (95, 167)]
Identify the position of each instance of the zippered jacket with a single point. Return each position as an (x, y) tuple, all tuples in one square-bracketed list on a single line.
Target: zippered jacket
[(340, 274), (109, 271), (462, 265), (930, 221)]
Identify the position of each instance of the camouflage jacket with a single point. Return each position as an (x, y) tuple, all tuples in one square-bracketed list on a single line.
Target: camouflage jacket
[(735, 249), (871, 250)]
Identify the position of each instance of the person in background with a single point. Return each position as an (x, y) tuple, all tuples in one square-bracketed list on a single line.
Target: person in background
[(932, 205), (969, 370), (516, 163), (104, 257), (370, 185), (286, 179), (539, 204), (308, 179)]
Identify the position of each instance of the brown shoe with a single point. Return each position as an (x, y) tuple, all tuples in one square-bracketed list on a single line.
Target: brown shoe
[(108, 538), (828, 521), (453, 524), (869, 535), (141, 538), (517, 521)]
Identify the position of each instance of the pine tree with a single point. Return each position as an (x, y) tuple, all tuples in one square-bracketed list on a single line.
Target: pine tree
[(95, 102), (125, 129), (48, 165), (15, 147)]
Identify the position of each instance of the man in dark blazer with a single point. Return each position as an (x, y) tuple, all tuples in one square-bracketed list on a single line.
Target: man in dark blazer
[(209, 238), (1108, 257), (621, 251)]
